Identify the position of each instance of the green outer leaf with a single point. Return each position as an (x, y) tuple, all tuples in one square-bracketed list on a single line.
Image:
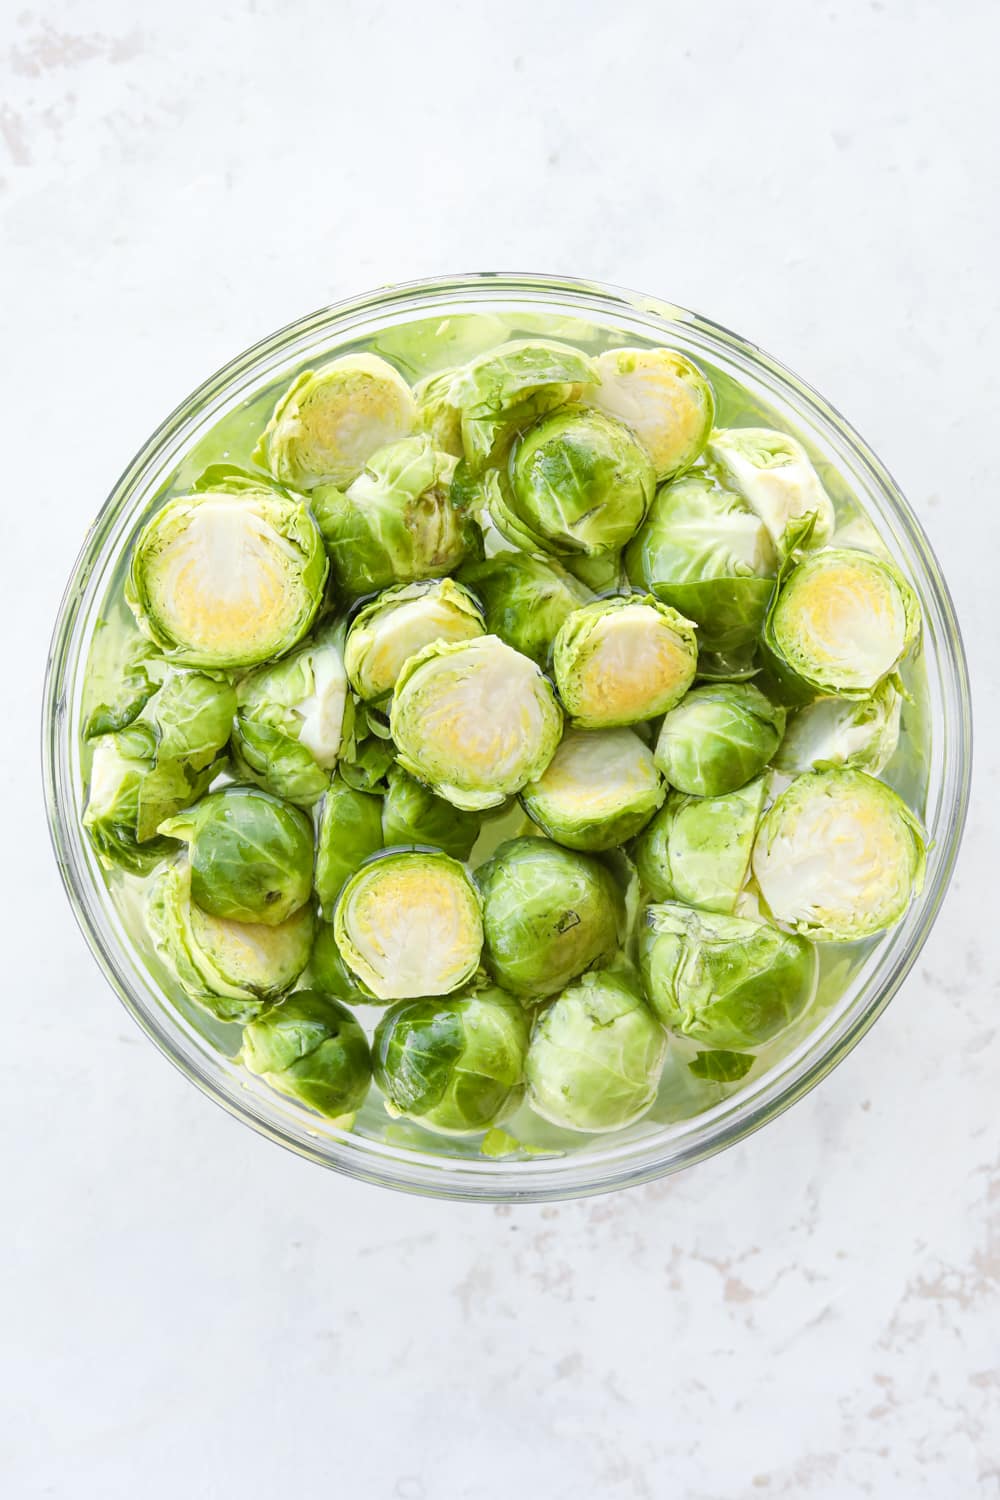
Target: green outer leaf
[(414, 815), (276, 762), (524, 600), (311, 1048), (506, 389), (350, 831)]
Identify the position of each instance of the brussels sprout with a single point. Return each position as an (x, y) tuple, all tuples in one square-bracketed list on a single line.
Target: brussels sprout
[(838, 856), (290, 721), (841, 621), (619, 661), (251, 855), (665, 400), (330, 421), (524, 600), (413, 814), (233, 969), (455, 1066), (161, 761), (595, 1056), (508, 388), (829, 732), (399, 623), (773, 474), (577, 482), (721, 980), (697, 849), (398, 522), (475, 720), (704, 552), (311, 1048), (599, 789), (349, 832), (548, 914), (603, 573), (436, 416), (718, 738), (227, 577), (410, 925)]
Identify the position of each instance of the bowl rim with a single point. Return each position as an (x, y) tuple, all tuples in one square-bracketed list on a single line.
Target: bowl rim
[(550, 1177)]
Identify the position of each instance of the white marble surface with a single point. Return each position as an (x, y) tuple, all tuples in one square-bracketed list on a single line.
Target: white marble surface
[(190, 1311)]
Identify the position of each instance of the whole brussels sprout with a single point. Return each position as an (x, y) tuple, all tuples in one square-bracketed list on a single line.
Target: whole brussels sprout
[(349, 832), (455, 1066), (721, 980), (838, 856), (548, 914), (290, 721), (232, 969), (508, 388), (410, 925), (595, 1056), (251, 854), (697, 849), (662, 397), (576, 482), (399, 623), (703, 551), (841, 621), (861, 733), (524, 600), (718, 738), (227, 576), (330, 421), (771, 470), (161, 758), (413, 814), (436, 416), (599, 789), (397, 522), (311, 1048), (619, 661), (475, 720)]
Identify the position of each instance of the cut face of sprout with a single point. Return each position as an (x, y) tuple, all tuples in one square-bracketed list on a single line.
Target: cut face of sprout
[(620, 661), (772, 471), (662, 397)]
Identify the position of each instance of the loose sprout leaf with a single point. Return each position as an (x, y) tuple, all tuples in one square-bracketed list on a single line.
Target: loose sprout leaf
[(722, 1066)]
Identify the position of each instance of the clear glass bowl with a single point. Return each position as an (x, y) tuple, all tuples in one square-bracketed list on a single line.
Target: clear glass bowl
[(413, 1161)]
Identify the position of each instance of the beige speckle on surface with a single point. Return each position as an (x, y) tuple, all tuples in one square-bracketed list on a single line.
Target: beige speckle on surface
[(190, 1311)]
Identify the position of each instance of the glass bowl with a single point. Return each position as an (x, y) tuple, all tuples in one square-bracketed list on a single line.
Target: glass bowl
[(667, 1140)]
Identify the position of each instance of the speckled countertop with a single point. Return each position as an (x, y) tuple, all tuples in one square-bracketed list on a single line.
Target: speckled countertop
[(190, 1311)]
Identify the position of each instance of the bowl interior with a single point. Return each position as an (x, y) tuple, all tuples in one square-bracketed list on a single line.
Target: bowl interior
[(433, 325)]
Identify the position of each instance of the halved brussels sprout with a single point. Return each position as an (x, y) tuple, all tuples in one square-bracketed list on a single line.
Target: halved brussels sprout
[(455, 1066), (703, 551), (349, 832), (410, 925), (330, 421), (160, 761), (619, 661), (436, 416), (508, 388), (718, 738), (398, 521), (771, 470), (838, 856), (548, 914), (525, 600), (229, 576), (662, 397), (841, 621), (475, 720), (251, 854), (598, 790), (311, 1048), (861, 733), (413, 814), (697, 849), (233, 969), (399, 623), (724, 981), (596, 1055), (576, 482), (290, 721)]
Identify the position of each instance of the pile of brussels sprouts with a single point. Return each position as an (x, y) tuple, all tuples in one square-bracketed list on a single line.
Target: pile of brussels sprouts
[(542, 588)]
